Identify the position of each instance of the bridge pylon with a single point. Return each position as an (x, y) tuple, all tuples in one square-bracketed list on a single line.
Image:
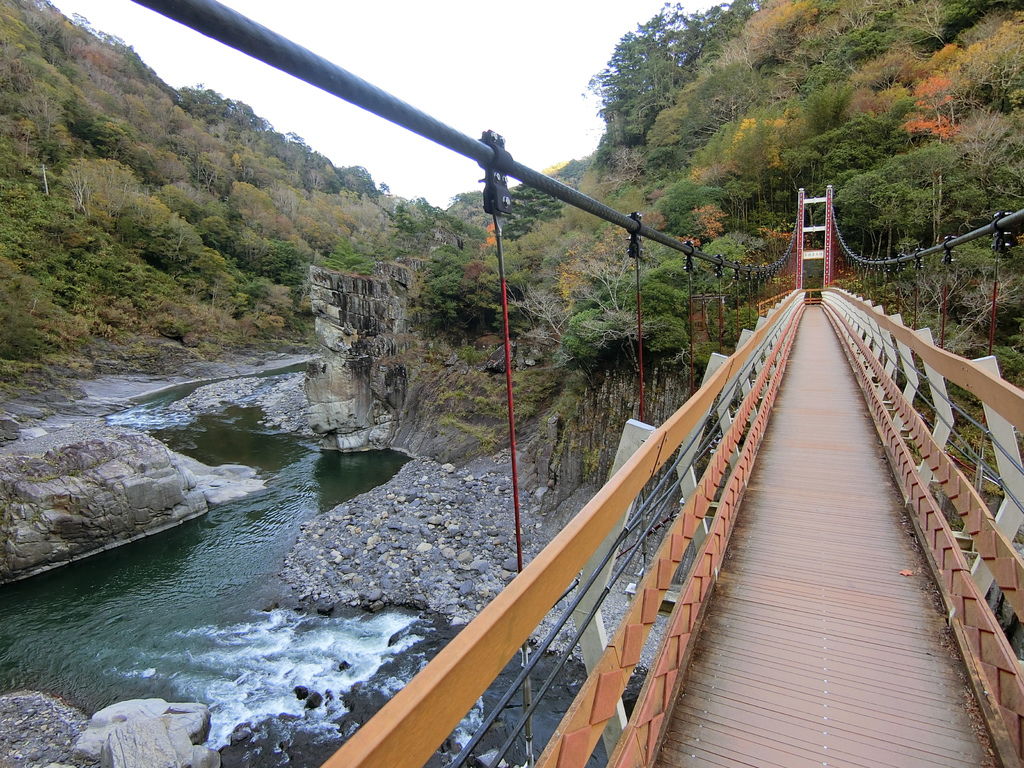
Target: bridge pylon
[(825, 254)]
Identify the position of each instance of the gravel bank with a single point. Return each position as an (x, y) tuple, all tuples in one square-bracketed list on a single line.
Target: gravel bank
[(282, 400), (36, 730), (434, 537)]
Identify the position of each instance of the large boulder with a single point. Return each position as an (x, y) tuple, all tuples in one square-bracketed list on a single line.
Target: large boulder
[(9, 429), (147, 742), (76, 498), (151, 732)]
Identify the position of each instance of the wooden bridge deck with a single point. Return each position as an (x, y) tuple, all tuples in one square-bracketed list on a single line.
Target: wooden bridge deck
[(816, 650)]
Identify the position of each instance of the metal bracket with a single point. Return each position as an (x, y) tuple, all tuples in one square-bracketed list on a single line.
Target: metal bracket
[(634, 237), (947, 250), (497, 198), (1002, 240)]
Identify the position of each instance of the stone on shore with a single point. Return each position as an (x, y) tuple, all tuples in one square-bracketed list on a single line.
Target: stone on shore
[(222, 483), (37, 729), (9, 429), (145, 743), (281, 399), (145, 733)]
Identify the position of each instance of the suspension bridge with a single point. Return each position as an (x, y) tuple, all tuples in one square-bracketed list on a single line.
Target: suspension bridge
[(821, 536)]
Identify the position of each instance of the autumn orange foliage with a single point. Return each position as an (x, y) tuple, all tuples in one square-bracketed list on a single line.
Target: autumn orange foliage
[(934, 101)]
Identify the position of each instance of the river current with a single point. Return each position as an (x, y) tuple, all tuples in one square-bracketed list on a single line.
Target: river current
[(190, 614)]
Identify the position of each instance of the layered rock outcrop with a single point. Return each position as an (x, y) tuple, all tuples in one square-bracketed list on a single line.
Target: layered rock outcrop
[(357, 386), (77, 495)]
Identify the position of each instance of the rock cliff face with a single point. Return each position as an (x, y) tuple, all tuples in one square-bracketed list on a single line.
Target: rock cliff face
[(571, 453), (78, 499), (357, 386), (378, 385)]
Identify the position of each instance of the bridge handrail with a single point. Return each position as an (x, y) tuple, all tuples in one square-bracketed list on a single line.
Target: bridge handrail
[(410, 727), (1006, 399), (992, 665)]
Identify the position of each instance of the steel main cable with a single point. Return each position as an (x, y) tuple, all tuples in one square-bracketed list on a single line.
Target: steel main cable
[(1007, 223), (237, 31)]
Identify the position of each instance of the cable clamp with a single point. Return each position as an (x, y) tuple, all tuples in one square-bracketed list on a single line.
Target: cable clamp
[(947, 250), (497, 198), (634, 237), (1002, 239)]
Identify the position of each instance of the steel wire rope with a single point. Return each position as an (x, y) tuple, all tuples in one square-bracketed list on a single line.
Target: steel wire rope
[(566, 654), (563, 618), (634, 251), (953, 404), (1002, 241), (964, 447), (583, 588), (947, 260), (233, 29), (1005, 223), (621, 568), (728, 395), (689, 320)]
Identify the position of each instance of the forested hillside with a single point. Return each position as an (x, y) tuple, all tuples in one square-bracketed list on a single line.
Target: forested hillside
[(129, 209), (912, 110)]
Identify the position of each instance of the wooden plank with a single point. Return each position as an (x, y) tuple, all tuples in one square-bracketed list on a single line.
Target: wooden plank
[(816, 650)]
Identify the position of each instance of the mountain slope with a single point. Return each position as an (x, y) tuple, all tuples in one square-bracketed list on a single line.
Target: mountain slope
[(127, 207)]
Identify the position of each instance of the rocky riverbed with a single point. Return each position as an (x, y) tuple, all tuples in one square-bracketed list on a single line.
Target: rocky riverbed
[(104, 394), (435, 537), (283, 402)]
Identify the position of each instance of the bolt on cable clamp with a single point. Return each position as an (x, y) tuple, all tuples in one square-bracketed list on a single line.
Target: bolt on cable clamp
[(497, 198)]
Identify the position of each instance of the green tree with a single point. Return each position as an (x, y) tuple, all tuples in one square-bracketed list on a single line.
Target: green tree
[(344, 258)]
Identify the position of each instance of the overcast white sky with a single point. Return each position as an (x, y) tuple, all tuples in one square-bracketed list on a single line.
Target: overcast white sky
[(530, 86)]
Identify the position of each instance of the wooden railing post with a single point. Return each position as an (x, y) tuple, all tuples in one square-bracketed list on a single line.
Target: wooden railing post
[(943, 427), (1009, 516), (594, 638)]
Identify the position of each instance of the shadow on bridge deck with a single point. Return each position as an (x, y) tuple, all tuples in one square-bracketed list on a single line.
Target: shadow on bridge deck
[(816, 650)]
